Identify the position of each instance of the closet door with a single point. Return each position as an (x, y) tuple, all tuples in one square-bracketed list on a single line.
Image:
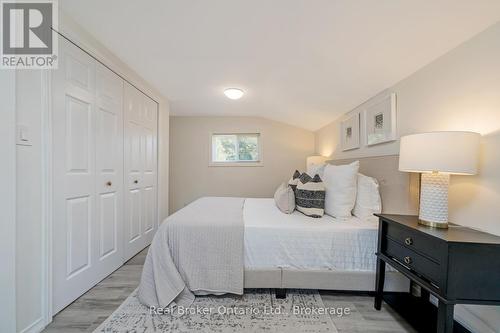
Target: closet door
[(109, 169), (87, 174), (150, 179), (140, 170)]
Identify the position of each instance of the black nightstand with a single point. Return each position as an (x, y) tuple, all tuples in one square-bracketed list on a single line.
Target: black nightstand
[(458, 265)]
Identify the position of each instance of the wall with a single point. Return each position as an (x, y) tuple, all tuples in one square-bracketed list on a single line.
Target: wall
[(30, 251), (458, 91), (8, 201), (285, 149), (33, 236)]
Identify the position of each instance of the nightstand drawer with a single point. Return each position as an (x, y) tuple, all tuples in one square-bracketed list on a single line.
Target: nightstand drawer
[(414, 240), (417, 263)]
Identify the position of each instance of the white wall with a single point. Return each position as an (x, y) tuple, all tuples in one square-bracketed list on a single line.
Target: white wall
[(458, 91), (7, 201), (29, 220), (31, 236), (285, 149)]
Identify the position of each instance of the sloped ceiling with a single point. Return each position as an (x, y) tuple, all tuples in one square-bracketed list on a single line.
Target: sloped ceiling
[(303, 62)]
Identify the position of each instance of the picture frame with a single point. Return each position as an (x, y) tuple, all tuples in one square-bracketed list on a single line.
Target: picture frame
[(380, 121), (350, 131)]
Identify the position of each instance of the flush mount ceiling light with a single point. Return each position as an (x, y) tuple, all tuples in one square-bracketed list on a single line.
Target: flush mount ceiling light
[(233, 93)]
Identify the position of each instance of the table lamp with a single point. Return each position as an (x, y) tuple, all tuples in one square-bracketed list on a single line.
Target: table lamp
[(437, 155), (315, 160)]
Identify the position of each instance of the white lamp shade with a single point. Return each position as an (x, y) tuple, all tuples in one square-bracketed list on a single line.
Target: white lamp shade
[(315, 160), (446, 152)]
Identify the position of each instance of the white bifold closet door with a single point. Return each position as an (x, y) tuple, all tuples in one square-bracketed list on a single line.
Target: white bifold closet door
[(87, 149), (140, 222)]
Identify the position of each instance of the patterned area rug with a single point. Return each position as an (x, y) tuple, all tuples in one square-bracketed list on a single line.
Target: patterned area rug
[(256, 311)]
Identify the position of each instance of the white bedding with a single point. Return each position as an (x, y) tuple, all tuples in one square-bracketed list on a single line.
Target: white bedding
[(277, 240), (197, 250)]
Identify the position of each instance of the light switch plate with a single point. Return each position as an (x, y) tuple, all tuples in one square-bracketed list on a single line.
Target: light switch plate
[(23, 136)]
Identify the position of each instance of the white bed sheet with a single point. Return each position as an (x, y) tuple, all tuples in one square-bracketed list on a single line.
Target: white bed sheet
[(277, 240)]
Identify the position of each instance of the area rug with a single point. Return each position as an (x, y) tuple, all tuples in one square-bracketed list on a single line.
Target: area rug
[(256, 311)]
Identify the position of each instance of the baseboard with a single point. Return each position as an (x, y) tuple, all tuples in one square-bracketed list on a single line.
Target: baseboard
[(36, 327)]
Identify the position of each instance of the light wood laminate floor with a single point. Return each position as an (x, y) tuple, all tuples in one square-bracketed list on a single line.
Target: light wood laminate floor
[(92, 308)]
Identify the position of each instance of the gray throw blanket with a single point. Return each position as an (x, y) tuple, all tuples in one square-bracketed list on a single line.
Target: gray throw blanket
[(199, 250)]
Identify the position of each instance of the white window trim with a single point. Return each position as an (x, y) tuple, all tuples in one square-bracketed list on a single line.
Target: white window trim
[(258, 163)]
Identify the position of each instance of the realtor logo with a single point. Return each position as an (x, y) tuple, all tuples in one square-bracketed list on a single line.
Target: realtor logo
[(28, 40)]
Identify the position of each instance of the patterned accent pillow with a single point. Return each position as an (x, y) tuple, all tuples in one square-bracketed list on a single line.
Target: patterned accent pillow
[(305, 178), (310, 196), (294, 180)]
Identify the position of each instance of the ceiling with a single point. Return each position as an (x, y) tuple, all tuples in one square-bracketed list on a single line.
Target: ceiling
[(301, 62)]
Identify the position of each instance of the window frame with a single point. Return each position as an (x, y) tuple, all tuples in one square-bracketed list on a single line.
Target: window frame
[(237, 163)]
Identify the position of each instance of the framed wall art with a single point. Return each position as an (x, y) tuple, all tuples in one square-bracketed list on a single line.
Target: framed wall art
[(380, 121), (350, 132)]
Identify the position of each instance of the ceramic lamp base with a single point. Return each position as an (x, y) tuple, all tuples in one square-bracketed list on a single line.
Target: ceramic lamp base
[(434, 200)]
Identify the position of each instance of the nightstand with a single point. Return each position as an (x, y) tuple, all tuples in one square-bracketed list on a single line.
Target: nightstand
[(457, 265)]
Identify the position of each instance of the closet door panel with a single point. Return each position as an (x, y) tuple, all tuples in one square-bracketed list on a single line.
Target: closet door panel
[(78, 134), (135, 149), (107, 124), (140, 166), (108, 226), (74, 237), (150, 165), (149, 181), (134, 215), (109, 168), (79, 73), (109, 132), (149, 209), (149, 140), (78, 233), (133, 172), (149, 113)]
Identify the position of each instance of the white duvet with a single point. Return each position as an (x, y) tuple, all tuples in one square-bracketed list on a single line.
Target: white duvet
[(196, 250), (274, 239)]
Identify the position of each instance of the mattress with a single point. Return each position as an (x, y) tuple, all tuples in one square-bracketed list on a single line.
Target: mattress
[(294, 241)]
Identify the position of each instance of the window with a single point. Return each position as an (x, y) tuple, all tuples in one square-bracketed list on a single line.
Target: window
[(236, 149)]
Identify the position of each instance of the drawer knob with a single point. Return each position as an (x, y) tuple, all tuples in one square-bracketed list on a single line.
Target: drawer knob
[(408, 241), (136, 181), (109, 183), (407, 260)]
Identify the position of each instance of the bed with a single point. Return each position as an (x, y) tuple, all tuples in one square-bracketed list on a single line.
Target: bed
[(296, 251), (219, 245)]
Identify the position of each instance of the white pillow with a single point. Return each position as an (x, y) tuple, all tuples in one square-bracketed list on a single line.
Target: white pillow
[(368, 201), (285, 199), (316, 169), (341, 185)]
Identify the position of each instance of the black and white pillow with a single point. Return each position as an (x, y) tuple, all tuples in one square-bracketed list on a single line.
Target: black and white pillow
[(294, 180), (310, 196)]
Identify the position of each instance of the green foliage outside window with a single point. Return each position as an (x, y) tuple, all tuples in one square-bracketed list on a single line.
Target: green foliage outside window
[(235, 147)]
